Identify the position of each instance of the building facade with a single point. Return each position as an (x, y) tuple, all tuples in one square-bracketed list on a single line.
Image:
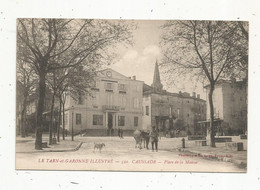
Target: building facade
[(115, 101), (230, 106), (172, 113)]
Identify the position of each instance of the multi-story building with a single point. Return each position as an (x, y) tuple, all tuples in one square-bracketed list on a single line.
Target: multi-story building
[(115, 101), (171, 112), (230, 106)]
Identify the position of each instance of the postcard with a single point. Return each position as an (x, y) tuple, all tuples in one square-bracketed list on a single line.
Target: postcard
[(131, 95)]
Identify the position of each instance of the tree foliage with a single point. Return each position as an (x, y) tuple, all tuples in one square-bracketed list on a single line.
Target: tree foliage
[(54, 44), (205, 50)]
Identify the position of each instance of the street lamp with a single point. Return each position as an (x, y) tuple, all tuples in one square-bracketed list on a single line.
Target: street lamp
[(72, 133)]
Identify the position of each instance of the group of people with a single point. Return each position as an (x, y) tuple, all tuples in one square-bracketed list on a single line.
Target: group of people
[(142, 137), (154, 137)]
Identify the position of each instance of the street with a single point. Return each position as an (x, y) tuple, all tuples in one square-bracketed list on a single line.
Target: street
[(121, 154)]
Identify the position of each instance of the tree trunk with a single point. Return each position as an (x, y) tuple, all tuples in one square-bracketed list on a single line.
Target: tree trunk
[(19, 127), (40, 108), (23, 114), (59, 121), (63, 120), (51, 118), (23, 118), (211, 107), (52, 109)]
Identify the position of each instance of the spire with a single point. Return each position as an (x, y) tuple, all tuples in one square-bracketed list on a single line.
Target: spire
[(157, 85)]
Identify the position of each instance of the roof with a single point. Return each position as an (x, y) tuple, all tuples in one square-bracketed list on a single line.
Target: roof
[(156, 78), (147, 90), (114, 75), (146, 87), (231, 81)]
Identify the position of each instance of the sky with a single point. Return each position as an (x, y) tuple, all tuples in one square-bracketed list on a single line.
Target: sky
[(139, 60)]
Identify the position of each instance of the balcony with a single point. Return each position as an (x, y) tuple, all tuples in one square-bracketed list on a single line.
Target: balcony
[(95, 89), (122, 92), (110, 108)]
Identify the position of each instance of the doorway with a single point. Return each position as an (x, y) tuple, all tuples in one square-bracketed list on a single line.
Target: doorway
[(110, 130), (110, 121)]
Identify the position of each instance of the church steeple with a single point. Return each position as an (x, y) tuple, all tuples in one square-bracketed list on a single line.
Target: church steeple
[(157, 85)]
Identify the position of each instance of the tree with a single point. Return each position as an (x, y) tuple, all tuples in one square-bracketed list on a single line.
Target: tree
[(239, 65), (202, 49), (53, 85), (26, 81), (72, 42), (76, 81)]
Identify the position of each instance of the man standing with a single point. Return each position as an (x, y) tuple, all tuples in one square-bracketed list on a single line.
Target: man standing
[(154, 138), (119, 132)]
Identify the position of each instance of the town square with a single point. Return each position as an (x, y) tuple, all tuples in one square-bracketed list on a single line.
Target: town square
[(129, 95)]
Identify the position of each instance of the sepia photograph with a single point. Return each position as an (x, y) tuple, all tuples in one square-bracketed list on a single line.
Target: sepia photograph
[(132, 95)]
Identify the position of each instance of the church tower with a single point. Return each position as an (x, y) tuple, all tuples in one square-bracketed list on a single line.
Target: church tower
[(157, 85)]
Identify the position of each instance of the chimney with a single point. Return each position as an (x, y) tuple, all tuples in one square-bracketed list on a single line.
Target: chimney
[(134, 77), (198, 96), (179, 92), (193, 94)]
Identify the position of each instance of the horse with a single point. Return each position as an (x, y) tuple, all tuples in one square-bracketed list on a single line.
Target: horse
[(141, 136)]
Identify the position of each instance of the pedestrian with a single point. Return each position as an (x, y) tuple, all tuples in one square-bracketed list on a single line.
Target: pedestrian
[(154, 138), (113, 132), (121, 133)]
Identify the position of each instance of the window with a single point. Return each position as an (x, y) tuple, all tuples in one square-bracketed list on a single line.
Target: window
[(121, 120), (136, 103), (136, 121), (122, 100), (146, 110), (121, 87), (109, 86), (94, 98), (78, 119), (95, 86), (109, 100), (97, 119)]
